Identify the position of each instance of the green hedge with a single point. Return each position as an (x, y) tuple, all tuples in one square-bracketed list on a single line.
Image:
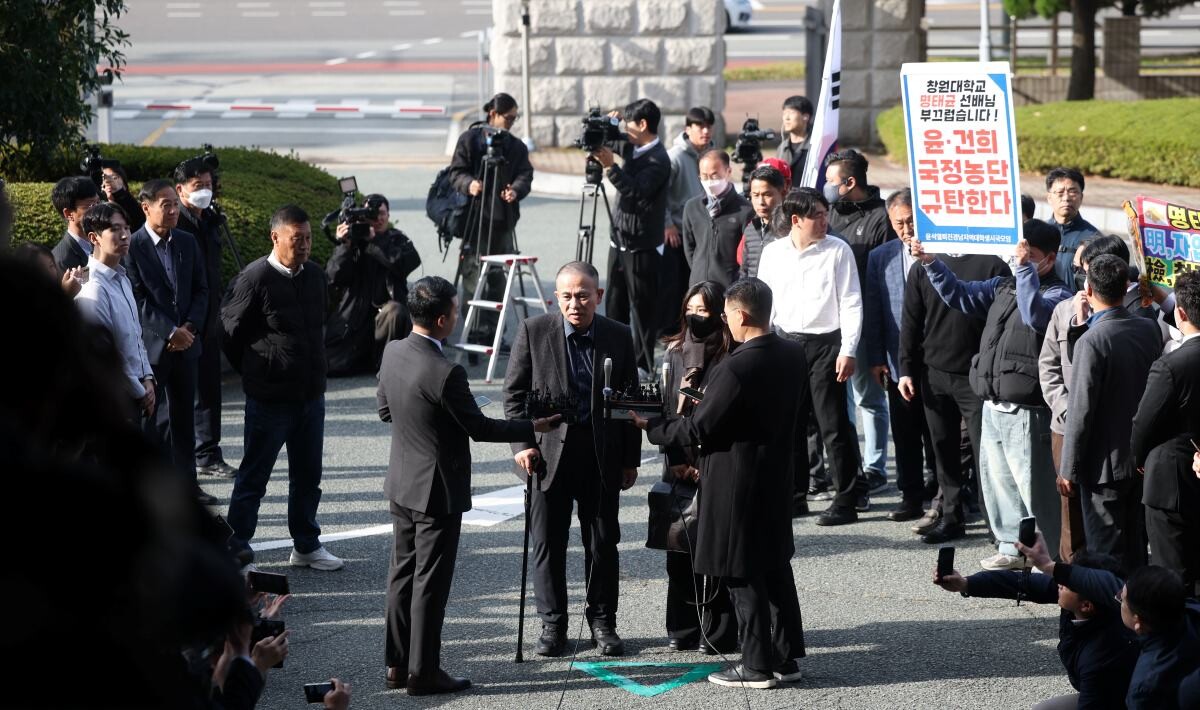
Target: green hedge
[(1152, 141), (253, 185)]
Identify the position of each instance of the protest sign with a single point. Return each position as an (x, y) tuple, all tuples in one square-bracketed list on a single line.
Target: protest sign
[(1169, 236), (962, 156)]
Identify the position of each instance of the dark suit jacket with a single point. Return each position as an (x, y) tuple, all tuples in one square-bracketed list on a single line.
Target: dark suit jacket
[(206, 230), (1109, 366), (883, 306), (163, 308), (428, 402), (539, 363), (68, 254), (1167, 421), (744, 427)]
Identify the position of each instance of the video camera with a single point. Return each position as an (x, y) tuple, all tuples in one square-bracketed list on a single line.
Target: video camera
[(93, 164), (598, 129), (359, 218), (748, 149)]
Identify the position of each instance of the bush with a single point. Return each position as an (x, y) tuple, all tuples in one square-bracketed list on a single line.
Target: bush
[(253, 185), (1153, 141)]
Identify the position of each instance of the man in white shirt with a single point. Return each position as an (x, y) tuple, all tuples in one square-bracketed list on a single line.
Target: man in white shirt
[(107, 299), (818, 303)]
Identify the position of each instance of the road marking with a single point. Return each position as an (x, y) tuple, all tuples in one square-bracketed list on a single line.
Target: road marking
[(184, 15), (604, 670), (366, 55), (432, 40), (401, 47), (337, 61), (158, 132)]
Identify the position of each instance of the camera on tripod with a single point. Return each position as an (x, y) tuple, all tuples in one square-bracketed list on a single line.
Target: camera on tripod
[(359, 218), (748, 149), (598, 129)]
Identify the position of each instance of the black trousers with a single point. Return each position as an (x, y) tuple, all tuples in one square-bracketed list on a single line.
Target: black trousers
[(1175, 542), (1114, 520), (422, 569), (948, 401), (716, 608), (208, 399), (768, 613), (674, 275), (174, 413), (910, 434), (577, 479), (633, 283), (827, 402)]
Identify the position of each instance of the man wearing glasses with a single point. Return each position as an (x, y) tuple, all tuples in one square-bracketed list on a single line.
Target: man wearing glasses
[(1064, 193)]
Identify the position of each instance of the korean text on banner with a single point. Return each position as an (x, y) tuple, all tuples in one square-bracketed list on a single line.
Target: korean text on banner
[(1170, 239), (962, 156)]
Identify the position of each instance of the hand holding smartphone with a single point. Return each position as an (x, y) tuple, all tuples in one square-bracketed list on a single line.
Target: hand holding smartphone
[(315, 692)]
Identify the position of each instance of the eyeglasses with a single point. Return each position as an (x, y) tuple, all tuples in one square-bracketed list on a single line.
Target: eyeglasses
[(1120, 598), (511, 117), (1072, 192)]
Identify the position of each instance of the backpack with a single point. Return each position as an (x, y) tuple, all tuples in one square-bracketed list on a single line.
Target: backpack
[(446, 206)]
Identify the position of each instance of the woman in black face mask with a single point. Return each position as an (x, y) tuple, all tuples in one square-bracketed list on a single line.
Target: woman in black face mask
[(702, 340)]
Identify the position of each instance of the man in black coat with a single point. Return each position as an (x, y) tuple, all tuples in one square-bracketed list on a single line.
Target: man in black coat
[(638, 221), (744, 426), (195, 183), (1164, 429), (72, 196), (428, 402), (169, 284), (1109, 367), (713, 223), (589, 461)]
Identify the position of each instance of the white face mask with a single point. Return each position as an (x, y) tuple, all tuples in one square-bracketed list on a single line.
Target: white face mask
[(714, 187), (200, 199)]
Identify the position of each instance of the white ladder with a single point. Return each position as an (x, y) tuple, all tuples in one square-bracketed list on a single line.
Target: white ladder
[(516, 267)]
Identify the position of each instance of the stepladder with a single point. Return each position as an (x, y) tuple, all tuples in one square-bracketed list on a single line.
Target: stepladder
[(515, 267)]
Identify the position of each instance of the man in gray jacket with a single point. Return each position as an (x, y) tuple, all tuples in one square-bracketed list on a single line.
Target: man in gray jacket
[(713, 223), (683, 186)]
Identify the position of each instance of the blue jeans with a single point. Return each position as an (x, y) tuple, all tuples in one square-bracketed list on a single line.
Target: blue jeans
[(269, 426), (1016, 473), (867, 394)]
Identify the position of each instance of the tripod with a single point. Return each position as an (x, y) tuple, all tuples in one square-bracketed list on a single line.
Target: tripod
[(593, 189), (223, 221)]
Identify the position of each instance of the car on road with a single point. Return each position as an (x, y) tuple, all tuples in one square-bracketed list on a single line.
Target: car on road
[(737, 14)]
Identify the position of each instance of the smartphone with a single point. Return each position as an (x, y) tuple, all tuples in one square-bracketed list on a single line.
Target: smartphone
[(267, 582), (315, 692), (481, 401), (224, 526), (945, 565), (1027, 533), (692, 393)]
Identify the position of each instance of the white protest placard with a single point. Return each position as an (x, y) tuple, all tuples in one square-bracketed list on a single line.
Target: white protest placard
[(962, 156)]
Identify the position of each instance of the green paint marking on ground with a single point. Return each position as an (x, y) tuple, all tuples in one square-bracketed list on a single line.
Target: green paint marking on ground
[(603, 671)]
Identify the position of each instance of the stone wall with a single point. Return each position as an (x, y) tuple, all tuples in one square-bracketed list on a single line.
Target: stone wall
[(607, 53), (877, 37)]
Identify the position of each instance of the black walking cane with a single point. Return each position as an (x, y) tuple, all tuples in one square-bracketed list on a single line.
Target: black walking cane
[(541, 466)]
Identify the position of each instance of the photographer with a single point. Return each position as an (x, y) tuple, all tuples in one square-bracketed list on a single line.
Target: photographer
[(637, 223), (195, 183), (372, 271), (488, 146), (1096, 649)]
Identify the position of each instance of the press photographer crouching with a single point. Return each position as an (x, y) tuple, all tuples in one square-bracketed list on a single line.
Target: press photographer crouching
[(491, 166), (1096, 649), (370, 266)]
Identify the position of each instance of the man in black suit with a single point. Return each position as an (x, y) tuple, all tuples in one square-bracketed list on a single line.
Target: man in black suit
[(1109, 367), (1164, 429), (171, 289), (745, 427), (428, 402), (72, 196), (590, 461)]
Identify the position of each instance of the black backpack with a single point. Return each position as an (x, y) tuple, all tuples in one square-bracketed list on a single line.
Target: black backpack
[(446, 206)]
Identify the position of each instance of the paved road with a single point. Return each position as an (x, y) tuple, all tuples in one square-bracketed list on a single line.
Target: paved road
[(879, 634)]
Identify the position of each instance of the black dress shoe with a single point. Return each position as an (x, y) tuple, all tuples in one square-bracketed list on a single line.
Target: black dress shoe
[(552, 642), (706, 649), (395, 678), (220, 469), (205, 498), (837, 515), (605, 638), (927, 523), (907, 510), (800, 509), (944, 532), (819, 490), (682, 644), (441, 682)]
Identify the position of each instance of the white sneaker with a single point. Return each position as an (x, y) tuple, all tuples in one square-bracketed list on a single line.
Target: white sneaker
[(319, 558), (1001, 562)]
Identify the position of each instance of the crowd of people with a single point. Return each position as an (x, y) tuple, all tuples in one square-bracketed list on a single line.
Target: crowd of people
[(1054, 384)]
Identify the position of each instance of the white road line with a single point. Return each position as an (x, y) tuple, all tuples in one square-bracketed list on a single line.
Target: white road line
[(401, 47), (124, 115), (365, 55), (337, 61), (261, 13), (432, 40), (184, 15)]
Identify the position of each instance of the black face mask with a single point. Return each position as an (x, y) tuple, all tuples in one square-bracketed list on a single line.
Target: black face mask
[(701, 327)]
